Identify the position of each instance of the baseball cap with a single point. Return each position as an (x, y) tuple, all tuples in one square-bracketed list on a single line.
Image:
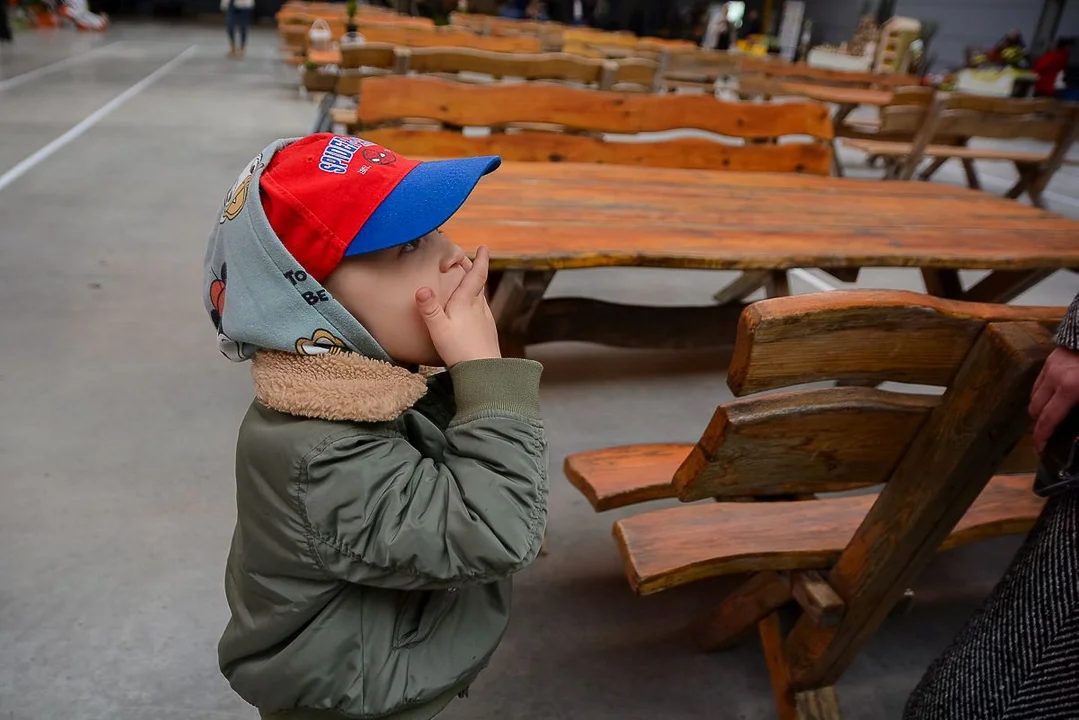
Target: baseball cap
[(328, 197)]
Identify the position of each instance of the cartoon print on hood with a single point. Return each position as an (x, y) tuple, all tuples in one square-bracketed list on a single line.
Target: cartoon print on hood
[(272, 303)]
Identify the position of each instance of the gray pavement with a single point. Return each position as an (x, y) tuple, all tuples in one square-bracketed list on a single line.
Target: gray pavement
[(119, 419)]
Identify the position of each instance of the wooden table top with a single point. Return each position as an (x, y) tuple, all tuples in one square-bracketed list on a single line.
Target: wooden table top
[(840, 95), (551, 216)]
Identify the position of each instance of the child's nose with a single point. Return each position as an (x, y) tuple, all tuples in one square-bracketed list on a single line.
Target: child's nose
[(454, 256)]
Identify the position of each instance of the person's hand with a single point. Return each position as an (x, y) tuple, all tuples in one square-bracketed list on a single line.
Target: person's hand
[(465, 328), (1056, 392)]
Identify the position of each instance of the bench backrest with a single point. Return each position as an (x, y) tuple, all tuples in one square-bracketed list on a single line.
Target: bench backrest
[(807, 440), (1000, 118), (534, 66), (583, 116), (760, 76), (449, 37)]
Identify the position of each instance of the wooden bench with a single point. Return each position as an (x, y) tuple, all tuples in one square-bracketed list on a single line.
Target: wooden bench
[(477, 66), (604, 75), (952, 121), (583, 117), (765, 78), (947, 464), (450, 37)]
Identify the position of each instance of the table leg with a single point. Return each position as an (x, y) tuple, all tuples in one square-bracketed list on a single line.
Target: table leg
[(746, 284), (1003, 286), (943, 283), (972, 175), (516, 298), (932, 169)]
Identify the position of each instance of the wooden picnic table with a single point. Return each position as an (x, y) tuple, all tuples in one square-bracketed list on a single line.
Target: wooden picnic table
[(539, 218)]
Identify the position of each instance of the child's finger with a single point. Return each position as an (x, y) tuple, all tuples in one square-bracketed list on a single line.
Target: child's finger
[(476, 278), (429, 307)]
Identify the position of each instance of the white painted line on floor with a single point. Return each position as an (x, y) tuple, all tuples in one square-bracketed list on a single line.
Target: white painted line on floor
[(29, 163), (813, 280), (59, 64)]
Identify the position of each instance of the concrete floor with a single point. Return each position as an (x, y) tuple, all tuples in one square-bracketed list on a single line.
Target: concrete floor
[(116, 495)]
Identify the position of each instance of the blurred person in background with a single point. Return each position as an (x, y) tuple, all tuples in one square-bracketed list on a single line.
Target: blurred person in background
[(237, 18), (1049, 67)]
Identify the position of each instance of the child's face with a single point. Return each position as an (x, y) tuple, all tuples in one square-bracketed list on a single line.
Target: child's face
[(379, 289)]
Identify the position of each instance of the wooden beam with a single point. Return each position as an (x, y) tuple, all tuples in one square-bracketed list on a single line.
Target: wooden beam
[(1003, 286), (814, 704), (980, 418), (745, 284), (752, 601), (817, 598), (942, 283), (630, 326)]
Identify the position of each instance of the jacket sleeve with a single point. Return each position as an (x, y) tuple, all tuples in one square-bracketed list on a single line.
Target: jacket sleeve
[(380, 513), (1068, 332)]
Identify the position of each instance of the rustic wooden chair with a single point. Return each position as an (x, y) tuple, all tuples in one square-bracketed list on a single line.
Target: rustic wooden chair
[(947, 463), (581, 118), (953, 120)]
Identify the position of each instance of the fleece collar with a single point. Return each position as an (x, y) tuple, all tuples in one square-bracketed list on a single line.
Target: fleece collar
[(335, 386)]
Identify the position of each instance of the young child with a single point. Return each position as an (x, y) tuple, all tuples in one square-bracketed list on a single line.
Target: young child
[(381, 512)]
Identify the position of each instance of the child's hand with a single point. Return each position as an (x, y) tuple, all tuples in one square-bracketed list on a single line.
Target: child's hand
[(465, 328)]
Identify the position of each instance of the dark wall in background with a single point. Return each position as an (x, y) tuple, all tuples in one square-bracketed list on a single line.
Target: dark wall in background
[(176, 8)]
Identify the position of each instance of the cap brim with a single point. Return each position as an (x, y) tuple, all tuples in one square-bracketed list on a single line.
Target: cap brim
[(424, 199)]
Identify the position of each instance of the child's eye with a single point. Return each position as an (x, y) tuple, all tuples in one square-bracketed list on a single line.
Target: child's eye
[(411, 246)]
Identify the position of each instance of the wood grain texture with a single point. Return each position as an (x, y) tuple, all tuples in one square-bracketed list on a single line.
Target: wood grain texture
[(392, 98), (619, 476), (410, 37), (531, 66), (817, 598), (839, 95), (771, 634), (555, 216), (802, 441), (885, 148), (376, 55), (686, 153), (665, 548), (862, 335), (752, 601), (944, 471)]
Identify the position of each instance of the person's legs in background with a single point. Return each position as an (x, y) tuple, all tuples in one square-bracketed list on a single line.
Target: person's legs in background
[(230, 27), (243, 19)]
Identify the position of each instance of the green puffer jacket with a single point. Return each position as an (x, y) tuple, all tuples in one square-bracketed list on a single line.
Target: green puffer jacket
[(380, 516)]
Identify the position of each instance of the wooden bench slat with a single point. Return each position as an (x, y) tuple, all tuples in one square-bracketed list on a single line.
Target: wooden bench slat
[(862, 335), (620, 476), (887, 148), (389, 98), (670, 547), (686, 153)]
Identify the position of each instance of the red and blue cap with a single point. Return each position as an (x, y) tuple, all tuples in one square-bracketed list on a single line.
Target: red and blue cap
[(328, 197)]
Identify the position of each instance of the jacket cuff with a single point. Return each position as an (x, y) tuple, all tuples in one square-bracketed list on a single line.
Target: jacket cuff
[(507, 384), (1068, 331)]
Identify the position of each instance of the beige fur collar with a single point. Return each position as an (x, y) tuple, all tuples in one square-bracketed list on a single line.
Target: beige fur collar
[(338, 386)]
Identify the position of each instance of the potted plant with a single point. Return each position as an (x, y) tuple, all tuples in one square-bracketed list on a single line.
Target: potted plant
[(350, 9)]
